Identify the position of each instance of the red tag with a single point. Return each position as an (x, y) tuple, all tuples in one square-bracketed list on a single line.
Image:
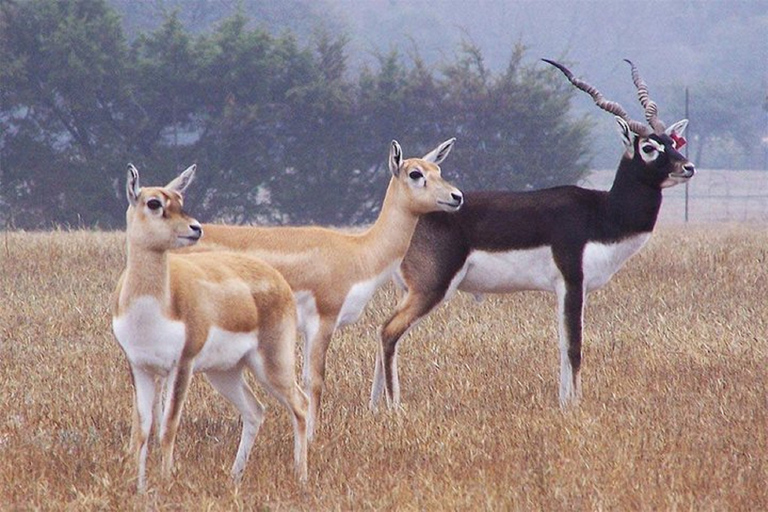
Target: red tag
[(678, 140)]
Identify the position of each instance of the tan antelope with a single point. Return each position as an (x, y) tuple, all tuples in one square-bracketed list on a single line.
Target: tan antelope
[(334, 274), (217, 313), (566, 240)]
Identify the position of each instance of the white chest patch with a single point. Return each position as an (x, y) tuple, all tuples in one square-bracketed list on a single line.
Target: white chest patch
[(149, 339), (510, 271), (602, 261), (360, 295), (152, 341)]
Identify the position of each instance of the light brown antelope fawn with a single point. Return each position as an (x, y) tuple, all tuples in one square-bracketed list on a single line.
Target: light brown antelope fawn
[(334, 274), (566, 240), (217, 313)]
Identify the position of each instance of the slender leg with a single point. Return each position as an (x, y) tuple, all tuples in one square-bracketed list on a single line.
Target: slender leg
[(144, 387), (570, 300), (314, 370), (173, 406), (234, 388), (163, 390), (274, 367), (377, 388), (412, 309)]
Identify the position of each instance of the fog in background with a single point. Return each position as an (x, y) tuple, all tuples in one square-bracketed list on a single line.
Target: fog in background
[(717, 49)]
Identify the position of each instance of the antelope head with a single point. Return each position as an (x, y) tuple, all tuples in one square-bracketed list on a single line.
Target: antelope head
[(424, 186), (654, 148), (155, 218)]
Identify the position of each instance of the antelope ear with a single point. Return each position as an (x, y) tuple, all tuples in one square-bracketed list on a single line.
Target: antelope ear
[(132, 188), (395, 158), (438, 154), (182, 181), (627, 137), (678, 128)]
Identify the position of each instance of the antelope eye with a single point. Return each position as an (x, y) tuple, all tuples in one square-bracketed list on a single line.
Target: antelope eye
[(415, 175), (154, 204), (648, 149)]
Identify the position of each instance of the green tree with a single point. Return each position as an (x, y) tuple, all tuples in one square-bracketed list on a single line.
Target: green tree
[(280, 131), (512, 129), (243, 120), (62, 70), (163, 92)]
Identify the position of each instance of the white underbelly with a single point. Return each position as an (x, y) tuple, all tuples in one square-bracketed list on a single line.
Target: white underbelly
[(155, 342), (510, 271), (535, 269), (225, 349)]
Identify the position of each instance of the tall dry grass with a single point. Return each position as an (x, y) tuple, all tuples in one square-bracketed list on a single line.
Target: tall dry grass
[(673, 415)]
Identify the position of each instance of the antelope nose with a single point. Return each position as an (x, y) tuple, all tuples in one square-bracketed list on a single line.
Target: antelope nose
[(689, 169), (197, 230), (458, 197)]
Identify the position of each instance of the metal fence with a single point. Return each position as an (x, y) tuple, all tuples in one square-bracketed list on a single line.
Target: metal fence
[(713, 196)]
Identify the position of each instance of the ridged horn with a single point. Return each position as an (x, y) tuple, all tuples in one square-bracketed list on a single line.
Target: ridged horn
[(651, 109), (609, 106)]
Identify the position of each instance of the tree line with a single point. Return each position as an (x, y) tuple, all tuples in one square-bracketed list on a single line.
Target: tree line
[(280, 131)]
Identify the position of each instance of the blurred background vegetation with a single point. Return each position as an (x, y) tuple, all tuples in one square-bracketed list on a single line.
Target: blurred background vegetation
[(288, 118)]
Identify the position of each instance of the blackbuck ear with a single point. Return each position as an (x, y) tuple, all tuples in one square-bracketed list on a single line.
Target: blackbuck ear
[(438, 154), (183, 180), (627, 137), (132, 187), (395, 158), (678, 128)]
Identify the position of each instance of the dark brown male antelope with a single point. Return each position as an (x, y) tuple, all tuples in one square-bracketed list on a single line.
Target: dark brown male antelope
[(567, 240)]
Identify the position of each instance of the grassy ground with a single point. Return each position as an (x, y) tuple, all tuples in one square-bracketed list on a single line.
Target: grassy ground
[(673, 416)]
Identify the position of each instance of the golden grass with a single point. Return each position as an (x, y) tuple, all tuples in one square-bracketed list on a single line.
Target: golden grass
[(673, 416)]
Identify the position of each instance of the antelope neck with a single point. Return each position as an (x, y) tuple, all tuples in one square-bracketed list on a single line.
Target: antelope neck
[(388, 238), (146, 273), (632, 204)]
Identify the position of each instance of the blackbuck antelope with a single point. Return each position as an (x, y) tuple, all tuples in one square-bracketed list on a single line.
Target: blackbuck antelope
[(216, 313), (567, 240), (334, 274)]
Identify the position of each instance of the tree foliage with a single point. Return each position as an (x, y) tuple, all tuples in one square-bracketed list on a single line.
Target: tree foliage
[(280, 131)]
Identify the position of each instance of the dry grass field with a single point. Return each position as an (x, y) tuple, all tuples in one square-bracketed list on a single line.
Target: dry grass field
[(675, 379)]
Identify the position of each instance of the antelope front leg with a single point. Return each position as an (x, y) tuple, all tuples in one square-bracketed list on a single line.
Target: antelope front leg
[(412, 309), (570, 301), (144, 397), (377, 387), (315, 350), (181, 378)]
